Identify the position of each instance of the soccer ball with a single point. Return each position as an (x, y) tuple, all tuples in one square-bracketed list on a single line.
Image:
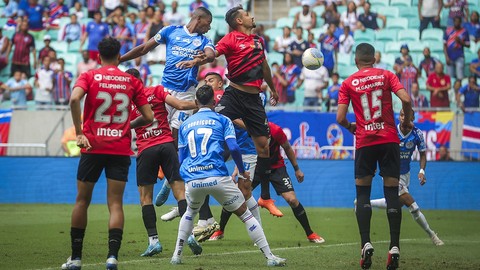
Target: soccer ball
[(312, 58)]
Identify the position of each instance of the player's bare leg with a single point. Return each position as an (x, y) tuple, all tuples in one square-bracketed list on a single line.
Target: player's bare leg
[(262, 172), (407, 200), (149, 220), (394, 215), (115, 190), (301, 215)]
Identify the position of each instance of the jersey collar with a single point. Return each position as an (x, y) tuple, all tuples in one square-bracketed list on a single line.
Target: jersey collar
[(205, 110), (401, 133), (188, 32)]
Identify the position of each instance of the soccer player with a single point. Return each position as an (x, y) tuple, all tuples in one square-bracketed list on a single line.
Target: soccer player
[(105, 141), (279, 178), (156, 148), (201, 142), (409, 139), (248, 68), (377, 141)]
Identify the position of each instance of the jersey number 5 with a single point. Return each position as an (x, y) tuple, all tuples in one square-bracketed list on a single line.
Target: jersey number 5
[(122, 108), (192, 146), (376, 103)]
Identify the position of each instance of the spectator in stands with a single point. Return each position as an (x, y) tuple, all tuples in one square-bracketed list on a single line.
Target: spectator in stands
[(470, 93), (456, 87), (113, 17), (196, 4), (125, 35), (24, 44), (409, 74), (332, 93), (399, 61), (454, 39), (282, 43), (429, 12), (315, 81), (329, 46), (475, 65), (174, 17), (331, 15), (458, 8), (473, 27), (157, 55), (61, 85), (260, 31), (350, 17), (46, 49), (211, 67), (311, 40), (306, 19), (346, 41), (298, 46), (69, 142), (418, 100), (438, 83), (428, 63), (54, 65), (4, 44), (35, 14), (277, 78), (444, 154), (110, 6), (56, 10), (160, 5), (44, 85), (378, 61), (18, 89), (95, 31), (10, 10), (144, 70), (368, 20), (93, 6), (141, 28), (85, 65), (73, 30), (78, 10), (290, 80), (150, 13)]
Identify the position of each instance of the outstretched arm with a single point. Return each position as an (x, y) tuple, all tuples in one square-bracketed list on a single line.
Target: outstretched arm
[(293, 159), (140, 50)]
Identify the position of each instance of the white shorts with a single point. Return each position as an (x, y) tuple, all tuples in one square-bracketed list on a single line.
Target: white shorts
[(250, 163), (403, 184), (222, 188), (176, 117)]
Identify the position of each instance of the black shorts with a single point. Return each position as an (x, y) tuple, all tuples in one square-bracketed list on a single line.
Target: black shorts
[(150, 159), (280, 180), (236, 104), (388, 158), (91, 166)]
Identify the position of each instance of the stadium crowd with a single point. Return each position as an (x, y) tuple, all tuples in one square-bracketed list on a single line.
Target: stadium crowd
[(46, 45)]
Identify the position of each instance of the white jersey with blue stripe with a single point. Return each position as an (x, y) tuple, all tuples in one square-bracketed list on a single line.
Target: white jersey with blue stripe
[(181, 46), (203, 135), (408, 143), (245, 142)]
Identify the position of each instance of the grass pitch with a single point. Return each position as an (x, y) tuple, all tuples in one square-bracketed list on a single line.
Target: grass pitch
[(37, 237)]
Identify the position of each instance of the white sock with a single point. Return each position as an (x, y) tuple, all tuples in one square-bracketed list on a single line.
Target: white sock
[(379, 203), (253, 207), (202, 223), (210, 221), (420, 218), (255, 231), (184, 230), (152, 240)]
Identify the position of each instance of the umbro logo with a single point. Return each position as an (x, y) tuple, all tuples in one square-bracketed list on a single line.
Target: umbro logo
[(219, 107)]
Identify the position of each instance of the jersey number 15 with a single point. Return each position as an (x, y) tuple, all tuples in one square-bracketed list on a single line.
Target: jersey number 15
[(376, 103)]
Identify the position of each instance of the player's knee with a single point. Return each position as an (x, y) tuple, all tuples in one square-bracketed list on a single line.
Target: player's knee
[(413, 208), (291, 200)]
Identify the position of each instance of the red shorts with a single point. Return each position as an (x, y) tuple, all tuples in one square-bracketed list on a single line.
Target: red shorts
[(94, 55)]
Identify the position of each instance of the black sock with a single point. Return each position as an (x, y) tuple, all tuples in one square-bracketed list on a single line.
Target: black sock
[(114, 242), (364, 212), (76, 236), (182, 207), (149, 219), (224, 217), (301, 216), (394, 214), (262, 173), (205, 212)]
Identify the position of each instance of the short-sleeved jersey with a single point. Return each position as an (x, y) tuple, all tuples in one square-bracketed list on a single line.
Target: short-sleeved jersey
[(109, 94), (370, 90), (96, 32), (454, 48), (471, 96), (245, 55), (328, 45), (278, 138), (159, 131), (181, 46), (244, 141), (203, 135), (408, 143)]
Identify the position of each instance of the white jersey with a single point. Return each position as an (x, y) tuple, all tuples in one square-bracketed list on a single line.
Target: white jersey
[(313, 80), (346, 44), (305, 20)]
